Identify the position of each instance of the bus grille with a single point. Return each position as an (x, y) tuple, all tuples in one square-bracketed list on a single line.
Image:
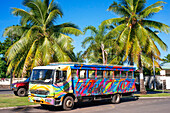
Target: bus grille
[(41, 92)]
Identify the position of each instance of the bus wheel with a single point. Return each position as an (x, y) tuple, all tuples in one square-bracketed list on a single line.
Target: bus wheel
[(21, 92), (68, 103), (115, 99), (15, 92)]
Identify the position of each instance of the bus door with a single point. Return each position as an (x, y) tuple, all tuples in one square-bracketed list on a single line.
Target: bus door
[(61, 82)]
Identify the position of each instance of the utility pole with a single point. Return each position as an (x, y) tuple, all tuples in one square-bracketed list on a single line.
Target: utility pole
[(154, 74), (11, 77)]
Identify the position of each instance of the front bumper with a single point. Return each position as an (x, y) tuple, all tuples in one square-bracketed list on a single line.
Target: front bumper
[(42, 100)]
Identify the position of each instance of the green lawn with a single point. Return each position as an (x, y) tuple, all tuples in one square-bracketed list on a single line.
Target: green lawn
[(154, 95), (10, 100)]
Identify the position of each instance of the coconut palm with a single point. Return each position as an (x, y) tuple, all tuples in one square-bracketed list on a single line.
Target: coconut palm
[(134, 32), (42, 41), (99, 44)]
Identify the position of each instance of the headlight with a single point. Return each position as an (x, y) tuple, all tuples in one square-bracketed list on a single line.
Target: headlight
[(15, 85)]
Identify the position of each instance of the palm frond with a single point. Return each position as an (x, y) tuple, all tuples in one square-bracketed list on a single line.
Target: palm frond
[(151, 12), (146, 61), (114, 32), (127, 45), (47, 51), (87, 40), (13, 30), (71, 30), (53, 15), (112, 20), (157, 39), (29, 57), (156, 25), (68, 24), (92, 28), (65, 42), (157, 4), (119, 9), (23, 13)]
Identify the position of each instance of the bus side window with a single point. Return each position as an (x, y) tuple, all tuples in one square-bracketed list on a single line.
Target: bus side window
[(99, 74), (74, 73), (61, 76), (117, 75), (129, 74), (82, 74), (64, 75), (109, 74), (123, 74), (91, 74)]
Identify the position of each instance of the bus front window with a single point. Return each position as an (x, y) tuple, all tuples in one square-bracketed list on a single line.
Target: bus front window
[(42, 76)]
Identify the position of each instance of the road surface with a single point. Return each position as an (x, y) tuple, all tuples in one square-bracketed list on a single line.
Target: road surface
[(126, 106), (6, 91)]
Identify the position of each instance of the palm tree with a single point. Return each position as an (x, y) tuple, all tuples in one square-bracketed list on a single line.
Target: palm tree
[(134, 33), (80, 57), (99, 44), (41, 40)]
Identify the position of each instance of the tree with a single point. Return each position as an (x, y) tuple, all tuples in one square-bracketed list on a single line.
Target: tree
[(134, 33), (41, 40), (3, 49), (166, 58), (80, 57), (3, 68), (99, 44)]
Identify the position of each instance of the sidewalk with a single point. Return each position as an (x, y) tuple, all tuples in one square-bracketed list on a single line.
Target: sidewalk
[(153, 92)]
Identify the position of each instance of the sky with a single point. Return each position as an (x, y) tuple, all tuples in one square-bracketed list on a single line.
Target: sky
[(82, 13)]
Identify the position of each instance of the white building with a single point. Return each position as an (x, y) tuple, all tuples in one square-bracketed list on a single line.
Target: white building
[(165, 74)]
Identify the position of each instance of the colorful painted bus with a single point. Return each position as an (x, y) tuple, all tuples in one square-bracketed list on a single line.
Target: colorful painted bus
[(65, 84)]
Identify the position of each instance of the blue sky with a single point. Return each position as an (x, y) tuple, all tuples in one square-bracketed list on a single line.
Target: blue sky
[(82, 13)]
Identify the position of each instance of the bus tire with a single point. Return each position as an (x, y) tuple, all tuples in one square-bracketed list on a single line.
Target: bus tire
[(21, 92), (68, 103), (15, 92), (115, 99)]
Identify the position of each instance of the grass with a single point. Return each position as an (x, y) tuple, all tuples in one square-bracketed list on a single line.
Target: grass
[(10, 100), (154, 95), (157, 90)]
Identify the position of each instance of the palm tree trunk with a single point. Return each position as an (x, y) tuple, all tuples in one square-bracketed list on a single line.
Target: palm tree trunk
[(104, 60), (142, 85)]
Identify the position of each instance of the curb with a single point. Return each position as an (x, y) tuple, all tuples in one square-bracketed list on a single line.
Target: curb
[(3, 108), (153, 97)]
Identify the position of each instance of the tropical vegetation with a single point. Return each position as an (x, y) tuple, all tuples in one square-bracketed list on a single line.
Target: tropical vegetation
[(135, 33), (100, 45), (3, 49), (41, 40), (166, 59)]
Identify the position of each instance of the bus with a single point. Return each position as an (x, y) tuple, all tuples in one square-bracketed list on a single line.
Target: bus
[(65, 84)]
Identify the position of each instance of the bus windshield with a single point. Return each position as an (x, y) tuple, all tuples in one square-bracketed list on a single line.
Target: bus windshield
[(44, 76)]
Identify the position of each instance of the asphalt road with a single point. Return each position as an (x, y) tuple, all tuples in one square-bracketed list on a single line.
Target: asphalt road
[(6, 91), (126, 106)]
